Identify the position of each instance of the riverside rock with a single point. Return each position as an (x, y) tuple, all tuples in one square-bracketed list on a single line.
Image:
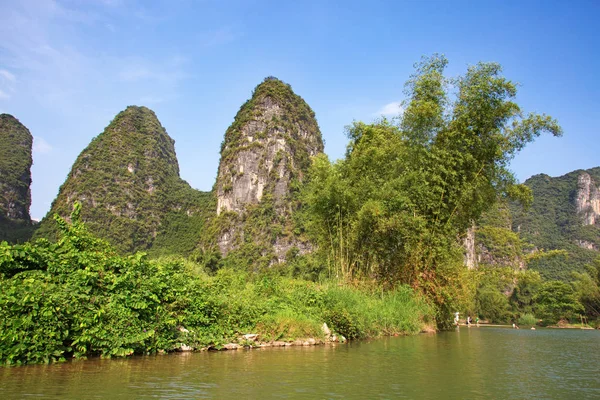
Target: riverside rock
[(326, 330), (250, 336)]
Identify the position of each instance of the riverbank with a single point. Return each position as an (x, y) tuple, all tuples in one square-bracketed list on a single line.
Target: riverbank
[(78, 298), (258, 311), (254, 340)]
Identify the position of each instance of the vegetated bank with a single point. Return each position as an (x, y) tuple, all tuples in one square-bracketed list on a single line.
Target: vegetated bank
[(78, 298)]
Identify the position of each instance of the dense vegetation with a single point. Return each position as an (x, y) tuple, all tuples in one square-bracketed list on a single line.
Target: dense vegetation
[(394, 207), (505, 294), (128, 182), (552, 223), (77, 298), (532, 267), (15, 180)]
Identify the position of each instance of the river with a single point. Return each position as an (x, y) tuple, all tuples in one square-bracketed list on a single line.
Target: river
[(476, 363)]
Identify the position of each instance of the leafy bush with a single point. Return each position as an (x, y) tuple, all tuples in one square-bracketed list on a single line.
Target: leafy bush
[(527, 319), (493, 305), (345, 323), (557, 300)]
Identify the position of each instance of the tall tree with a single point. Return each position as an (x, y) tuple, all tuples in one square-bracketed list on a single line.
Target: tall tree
[(395, 206)]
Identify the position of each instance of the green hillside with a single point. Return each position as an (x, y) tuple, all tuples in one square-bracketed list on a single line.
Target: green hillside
[(127, 180), (553, 223)]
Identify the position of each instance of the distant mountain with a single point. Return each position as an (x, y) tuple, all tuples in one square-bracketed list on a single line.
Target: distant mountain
[(15, 180), (264, 157), (127, 180), (565, 215)]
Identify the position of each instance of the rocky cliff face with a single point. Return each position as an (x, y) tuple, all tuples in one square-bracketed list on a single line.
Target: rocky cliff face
[(128, 181), (15, 179), (15, 168), (264, 156), (470, 258), (587, 199)]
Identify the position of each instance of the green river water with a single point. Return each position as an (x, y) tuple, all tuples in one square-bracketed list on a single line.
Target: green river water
[(480, 363)]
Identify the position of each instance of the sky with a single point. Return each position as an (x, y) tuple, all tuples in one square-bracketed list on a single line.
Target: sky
[(67, 67)]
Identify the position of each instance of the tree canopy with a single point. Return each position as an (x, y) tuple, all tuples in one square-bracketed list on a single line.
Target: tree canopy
[(407, 189)]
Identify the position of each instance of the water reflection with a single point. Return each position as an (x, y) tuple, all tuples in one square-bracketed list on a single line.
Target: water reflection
[(473, 362)]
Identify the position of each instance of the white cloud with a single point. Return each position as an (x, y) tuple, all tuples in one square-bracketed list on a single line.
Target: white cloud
[(52, 67), (40, 146), (7, 84), (49, 69), (7, 76), (391, 109)]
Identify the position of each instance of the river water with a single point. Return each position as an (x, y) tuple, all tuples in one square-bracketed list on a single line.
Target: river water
[(480, 363)]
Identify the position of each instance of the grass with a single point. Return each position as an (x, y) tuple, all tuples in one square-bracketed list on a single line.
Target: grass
[(527, 319), (281, 308)]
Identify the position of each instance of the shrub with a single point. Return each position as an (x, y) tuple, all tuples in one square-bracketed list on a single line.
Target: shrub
[(527, 319), (557, 300)]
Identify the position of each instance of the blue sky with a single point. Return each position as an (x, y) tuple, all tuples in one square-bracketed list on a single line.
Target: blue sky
[(67, 67)]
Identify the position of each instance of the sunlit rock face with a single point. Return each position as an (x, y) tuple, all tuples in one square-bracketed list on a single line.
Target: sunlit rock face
[(587, 200), (266, 152)]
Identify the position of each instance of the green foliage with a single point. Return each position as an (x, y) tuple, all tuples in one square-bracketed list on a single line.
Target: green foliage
[(497, 244), (78, 298), (557, 300), (493, 305), (394, 206), (16, 231), (587, 288), (128, 181), (180, 232), (527, 319), (525, 291), (491, 301), (344, 323), (552, 223)]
